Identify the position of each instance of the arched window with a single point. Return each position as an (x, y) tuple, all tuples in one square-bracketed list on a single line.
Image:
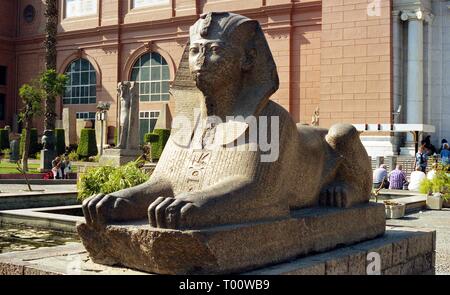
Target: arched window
[(81, 88), (152, 73)]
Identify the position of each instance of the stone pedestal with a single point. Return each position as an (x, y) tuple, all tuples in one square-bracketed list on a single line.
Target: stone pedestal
[(47, 156), (118, 157), (232, 248), (98, 133)]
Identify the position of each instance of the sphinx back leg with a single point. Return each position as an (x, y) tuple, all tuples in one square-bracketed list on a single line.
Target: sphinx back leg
[(351, 184)]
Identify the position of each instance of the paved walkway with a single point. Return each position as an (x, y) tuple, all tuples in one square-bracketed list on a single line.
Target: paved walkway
[(438, 220), (21, 189)]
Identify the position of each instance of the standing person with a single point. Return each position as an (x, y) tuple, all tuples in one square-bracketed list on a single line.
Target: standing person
[(397, 178), (445, 154), (430, 149), (380, 177), (443, 141), (415, 179), (421, 159)]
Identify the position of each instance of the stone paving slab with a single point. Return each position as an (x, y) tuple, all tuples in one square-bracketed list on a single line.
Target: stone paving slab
[(8, 190), (70, 259), (438, 220)]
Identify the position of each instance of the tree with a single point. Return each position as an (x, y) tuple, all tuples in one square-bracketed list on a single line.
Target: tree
[(51, 30), (32, 100), (53, 85)]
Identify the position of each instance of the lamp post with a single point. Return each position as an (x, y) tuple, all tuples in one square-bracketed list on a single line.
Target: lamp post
[(102, 108)]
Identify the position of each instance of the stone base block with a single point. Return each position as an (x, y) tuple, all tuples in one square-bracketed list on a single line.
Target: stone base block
[(232, 248), (118, 157), (402, 250)]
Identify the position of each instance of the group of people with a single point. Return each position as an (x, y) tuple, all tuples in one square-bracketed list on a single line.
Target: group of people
[(61, 167), (397, 178)]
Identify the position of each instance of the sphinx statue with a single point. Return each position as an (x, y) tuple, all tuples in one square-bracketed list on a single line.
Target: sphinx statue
[(227, 72)]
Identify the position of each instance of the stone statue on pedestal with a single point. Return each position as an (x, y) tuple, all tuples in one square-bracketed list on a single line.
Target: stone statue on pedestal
[(127, 148), (219, 201), (129, 115), (315, 118)]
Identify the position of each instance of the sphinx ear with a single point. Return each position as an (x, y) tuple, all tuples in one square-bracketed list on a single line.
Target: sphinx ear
[(249, 59)]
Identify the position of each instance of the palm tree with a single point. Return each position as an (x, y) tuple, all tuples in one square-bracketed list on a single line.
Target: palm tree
[(51, 13)]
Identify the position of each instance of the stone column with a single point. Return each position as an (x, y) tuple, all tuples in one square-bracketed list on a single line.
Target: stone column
[(414, 95), (397, 38)]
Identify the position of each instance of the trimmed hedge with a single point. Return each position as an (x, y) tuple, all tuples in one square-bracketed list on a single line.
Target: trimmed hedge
[(35, 147), (116, 136), (4, 139), (88, 144), (60, 141), (158, 139), (151, 137)]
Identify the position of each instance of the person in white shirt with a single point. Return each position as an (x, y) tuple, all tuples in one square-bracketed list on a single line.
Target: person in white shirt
[(416, 178)]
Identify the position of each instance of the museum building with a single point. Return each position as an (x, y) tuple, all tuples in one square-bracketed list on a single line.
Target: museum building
[(372, 63)]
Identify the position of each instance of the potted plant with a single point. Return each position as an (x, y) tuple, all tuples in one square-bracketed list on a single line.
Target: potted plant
[(394, 209), (437, 189)]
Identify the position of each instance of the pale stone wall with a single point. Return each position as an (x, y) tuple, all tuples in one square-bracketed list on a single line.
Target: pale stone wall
[(437, 67)]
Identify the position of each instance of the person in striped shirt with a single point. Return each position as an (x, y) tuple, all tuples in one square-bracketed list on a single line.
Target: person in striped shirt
[(397, 178)]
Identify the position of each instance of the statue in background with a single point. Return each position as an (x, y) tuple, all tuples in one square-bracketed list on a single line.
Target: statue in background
[(129, 115), (315, 118)]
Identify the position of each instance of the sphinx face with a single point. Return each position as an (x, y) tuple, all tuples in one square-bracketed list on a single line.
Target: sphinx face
[(214, 65)]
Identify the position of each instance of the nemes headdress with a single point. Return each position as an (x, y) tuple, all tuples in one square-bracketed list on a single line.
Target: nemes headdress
[(259, 82)]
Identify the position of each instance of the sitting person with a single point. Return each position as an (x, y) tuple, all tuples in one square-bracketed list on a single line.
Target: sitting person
[(415, 179), (57, 170), (445, 154), (397, 178), (380, 177), (67, 167)]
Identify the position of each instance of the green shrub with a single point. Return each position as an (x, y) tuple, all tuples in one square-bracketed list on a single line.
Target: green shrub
[(73, 156), (440, 183), (107, 179), (151, 137), (4, 139), (88, 144), (60, 141), (116, 136), (35, 147), (158, 146)]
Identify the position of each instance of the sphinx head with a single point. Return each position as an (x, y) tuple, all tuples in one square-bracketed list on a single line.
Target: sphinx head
[(221, 51)]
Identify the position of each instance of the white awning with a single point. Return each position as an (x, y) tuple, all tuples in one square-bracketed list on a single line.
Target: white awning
[(395, 127)]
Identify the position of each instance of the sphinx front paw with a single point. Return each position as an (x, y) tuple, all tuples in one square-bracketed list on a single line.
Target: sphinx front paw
[(173, 213), (334, 195)]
